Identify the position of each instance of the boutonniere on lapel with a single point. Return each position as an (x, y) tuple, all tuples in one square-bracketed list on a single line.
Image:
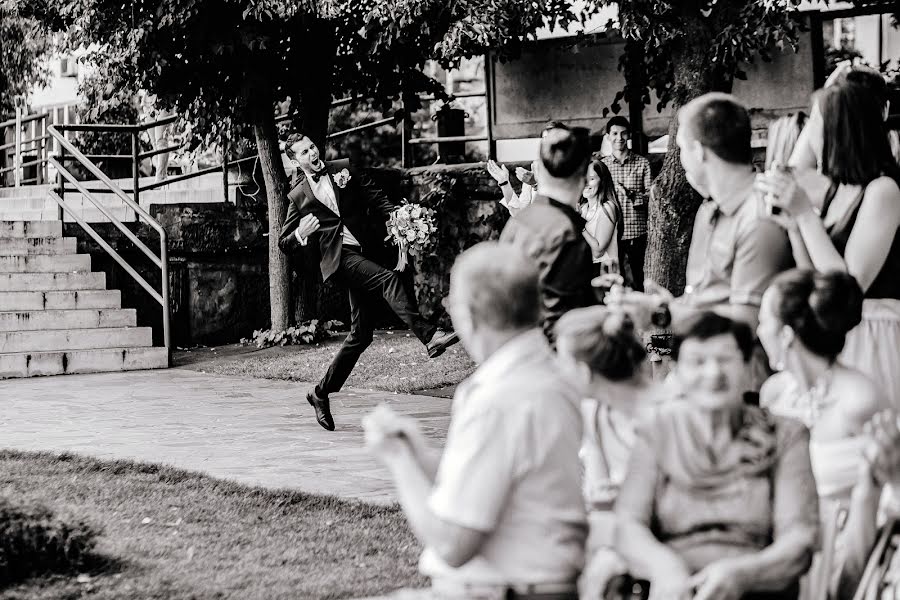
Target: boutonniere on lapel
[(341, 178)]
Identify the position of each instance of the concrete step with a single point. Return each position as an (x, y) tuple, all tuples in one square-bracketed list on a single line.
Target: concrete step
[(17, 246), (45, 320), (22, 214), (42, 263), (91, 215), (73, 199), (51, 282), (30, 229), (103, 360), (75, 339), (26, 191), (69, 300)]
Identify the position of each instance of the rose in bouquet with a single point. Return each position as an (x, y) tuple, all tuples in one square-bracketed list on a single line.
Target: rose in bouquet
[(410, 228)]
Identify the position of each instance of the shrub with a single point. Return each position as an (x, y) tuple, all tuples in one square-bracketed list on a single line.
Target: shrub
[(308, 332)]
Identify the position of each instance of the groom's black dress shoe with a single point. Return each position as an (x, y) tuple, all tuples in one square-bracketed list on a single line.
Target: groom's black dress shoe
[(323, 410), (440, 341)]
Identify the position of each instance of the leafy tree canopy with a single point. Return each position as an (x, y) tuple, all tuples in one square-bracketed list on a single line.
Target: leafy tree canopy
[(213, 60), (23, 52)]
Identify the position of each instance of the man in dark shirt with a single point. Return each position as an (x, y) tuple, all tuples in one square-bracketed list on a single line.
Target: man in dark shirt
[(549, 230)]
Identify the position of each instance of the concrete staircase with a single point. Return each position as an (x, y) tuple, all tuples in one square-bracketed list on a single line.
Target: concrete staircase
[(32, 203), (56, 316)]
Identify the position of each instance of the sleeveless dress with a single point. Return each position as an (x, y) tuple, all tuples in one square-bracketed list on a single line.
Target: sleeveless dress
[(835, 465), (872, 346), (593, 215)]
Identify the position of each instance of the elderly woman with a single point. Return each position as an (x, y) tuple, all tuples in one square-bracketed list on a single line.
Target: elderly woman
[(599, 349), (719, 501)]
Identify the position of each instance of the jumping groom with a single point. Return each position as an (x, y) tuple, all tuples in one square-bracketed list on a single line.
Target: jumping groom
[(328, 206)]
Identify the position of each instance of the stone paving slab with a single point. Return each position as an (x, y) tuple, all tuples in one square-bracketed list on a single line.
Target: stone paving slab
[(254, 431)]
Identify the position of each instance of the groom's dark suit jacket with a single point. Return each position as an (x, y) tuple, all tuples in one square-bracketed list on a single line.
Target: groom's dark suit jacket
[(359, 202)]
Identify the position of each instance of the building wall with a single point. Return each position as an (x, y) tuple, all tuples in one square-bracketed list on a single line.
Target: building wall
[(574, 83)]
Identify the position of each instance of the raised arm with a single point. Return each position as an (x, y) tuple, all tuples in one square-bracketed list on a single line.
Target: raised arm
[(870, 241), (373, 194)]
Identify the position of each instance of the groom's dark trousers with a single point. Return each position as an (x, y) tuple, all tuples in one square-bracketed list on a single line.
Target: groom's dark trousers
[(365, 279)]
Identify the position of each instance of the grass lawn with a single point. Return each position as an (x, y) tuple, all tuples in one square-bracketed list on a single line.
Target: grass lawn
[(167, 533), (395, 362)]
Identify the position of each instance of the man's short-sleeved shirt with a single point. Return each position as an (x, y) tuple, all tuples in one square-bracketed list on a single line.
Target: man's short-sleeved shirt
[(735, 253), (633, 174), (510, 469)]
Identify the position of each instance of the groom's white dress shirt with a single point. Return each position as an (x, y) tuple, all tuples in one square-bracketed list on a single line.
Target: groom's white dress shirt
[(323, 190)]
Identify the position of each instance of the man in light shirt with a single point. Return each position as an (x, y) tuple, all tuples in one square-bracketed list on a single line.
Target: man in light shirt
[(500, 512), (330, 206)]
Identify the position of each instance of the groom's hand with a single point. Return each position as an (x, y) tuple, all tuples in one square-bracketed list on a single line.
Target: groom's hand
[(308, 226)]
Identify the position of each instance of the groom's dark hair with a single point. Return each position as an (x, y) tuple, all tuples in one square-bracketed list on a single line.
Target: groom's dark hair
[(721, 124), (290, 141)]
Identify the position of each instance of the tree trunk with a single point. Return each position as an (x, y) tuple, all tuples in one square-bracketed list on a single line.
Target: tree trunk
[(315, 299), (263, 116), (674, 202)]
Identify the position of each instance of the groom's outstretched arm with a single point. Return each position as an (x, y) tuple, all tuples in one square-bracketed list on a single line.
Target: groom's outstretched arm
[(374, 194)]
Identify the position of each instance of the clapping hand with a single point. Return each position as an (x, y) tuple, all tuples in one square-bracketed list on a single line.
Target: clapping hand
[(883, 453), (600, 574), (525, 176), (671, 585), (308, 226), (639, 305), (720, 580), (388, 434), (499, 172), (383, 438)]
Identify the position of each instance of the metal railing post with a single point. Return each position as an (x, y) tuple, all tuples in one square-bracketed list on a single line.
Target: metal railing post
[(136, 170), (405, 155), (225, 170), (489, 105), (164, 285), (17, 155), (62, 182)]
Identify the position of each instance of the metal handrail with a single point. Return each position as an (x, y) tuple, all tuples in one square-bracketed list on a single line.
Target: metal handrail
[(28, 119), (448, 138), (363, 127), (103, 178), (162, 261), (113, 127), (106, 213)]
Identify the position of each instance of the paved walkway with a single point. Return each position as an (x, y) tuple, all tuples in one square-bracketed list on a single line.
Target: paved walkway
[(254, 431)]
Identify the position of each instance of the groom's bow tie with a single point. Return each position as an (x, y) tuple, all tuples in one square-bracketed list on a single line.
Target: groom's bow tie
[(317, 175)]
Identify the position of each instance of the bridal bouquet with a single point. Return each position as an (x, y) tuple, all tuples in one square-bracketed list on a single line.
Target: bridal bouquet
[(410, 228)]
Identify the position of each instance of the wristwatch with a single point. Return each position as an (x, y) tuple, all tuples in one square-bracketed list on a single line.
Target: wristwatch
[(661, 317), (504, 183)]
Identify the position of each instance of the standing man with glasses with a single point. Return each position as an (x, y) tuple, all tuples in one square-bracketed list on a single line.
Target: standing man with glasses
[(631, 172)]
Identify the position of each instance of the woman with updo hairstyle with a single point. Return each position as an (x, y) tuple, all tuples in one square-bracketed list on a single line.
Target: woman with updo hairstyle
[(803, 325), (601, 350)]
